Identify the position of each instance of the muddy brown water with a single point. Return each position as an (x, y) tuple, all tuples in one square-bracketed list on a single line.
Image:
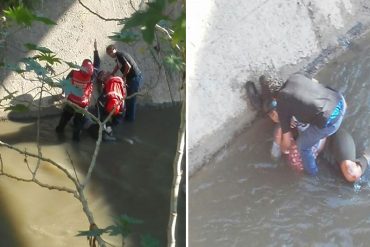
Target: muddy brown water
[(133, 176), (243, 198)]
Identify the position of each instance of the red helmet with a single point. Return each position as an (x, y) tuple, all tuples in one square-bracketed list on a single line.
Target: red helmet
[(87, 67)]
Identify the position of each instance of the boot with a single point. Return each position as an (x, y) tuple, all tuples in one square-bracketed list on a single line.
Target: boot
[(108, 137), (108, 134), (66, 116), (62, 124)]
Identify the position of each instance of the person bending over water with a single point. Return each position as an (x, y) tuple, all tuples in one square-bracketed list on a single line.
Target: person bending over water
[(309, 102), (338, 148)]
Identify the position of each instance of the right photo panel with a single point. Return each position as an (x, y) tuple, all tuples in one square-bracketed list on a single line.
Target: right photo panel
[(278, 113)]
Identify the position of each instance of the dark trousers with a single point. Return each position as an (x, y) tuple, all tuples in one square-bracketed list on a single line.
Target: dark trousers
[(133, 85), (78, 121)]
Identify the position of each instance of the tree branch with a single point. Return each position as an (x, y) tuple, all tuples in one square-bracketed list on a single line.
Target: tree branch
[(38, 133), (171, 230), (41, 158), (74, 168), (38, 182), (96, 14)]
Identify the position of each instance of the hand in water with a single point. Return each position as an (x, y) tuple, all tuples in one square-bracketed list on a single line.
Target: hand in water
[(275, 151)]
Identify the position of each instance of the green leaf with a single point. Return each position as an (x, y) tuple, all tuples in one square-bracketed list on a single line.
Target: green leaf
[(69, 88), (146, 20), (49, 81), (48, 57), (116, 230), (17, 108), (21, 15), (125, 219), (14, 68), (91, 233), (148, 241), (45, 20), (24, 17), (34, 47), (124, 36), (33, 65), (122, 225), (179, 26), (73, 65), (174, 62)]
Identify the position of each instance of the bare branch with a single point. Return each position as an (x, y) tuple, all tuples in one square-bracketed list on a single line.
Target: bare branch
[(96, 14), (177, 173), (79, 194), (41, 158), (38, 133), (1, 164), (132, 6), (36, 181), (97, 146), (168, 33), (26, 161), (73, 165)]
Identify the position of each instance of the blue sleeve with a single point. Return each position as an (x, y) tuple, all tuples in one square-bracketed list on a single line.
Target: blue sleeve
[(96, 60)]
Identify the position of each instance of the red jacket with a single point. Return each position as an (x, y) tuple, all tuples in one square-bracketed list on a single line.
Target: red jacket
[(82, 79), (115, 93)]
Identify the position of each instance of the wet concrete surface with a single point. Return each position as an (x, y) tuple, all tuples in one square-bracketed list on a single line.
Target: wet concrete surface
[(133, 176), (243, 198)]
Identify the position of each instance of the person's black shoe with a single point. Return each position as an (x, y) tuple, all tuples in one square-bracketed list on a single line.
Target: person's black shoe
[(109, 138)]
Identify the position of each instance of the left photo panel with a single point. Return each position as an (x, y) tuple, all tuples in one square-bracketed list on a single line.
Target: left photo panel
[(92, 130)]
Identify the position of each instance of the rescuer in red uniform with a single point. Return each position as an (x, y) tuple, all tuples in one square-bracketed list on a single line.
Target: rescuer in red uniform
[(111, 99)]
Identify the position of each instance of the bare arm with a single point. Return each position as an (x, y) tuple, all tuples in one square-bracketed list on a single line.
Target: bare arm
[(116, 68), (127, 69)]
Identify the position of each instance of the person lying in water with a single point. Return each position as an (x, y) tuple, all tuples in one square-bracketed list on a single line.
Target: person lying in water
[(338, 148)]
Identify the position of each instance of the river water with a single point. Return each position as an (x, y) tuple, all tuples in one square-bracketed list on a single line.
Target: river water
[(243, 198), (133, 176)]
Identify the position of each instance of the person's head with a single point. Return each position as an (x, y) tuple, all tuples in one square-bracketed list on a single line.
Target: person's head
[(87, 67), (271, 84), (111, 51), (351, 170), (269, 107)]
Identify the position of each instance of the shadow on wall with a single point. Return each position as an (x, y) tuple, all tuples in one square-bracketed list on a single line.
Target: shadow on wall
[(14, 47)]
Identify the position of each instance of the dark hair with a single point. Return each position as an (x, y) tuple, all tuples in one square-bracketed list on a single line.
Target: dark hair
[(110, 48)]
